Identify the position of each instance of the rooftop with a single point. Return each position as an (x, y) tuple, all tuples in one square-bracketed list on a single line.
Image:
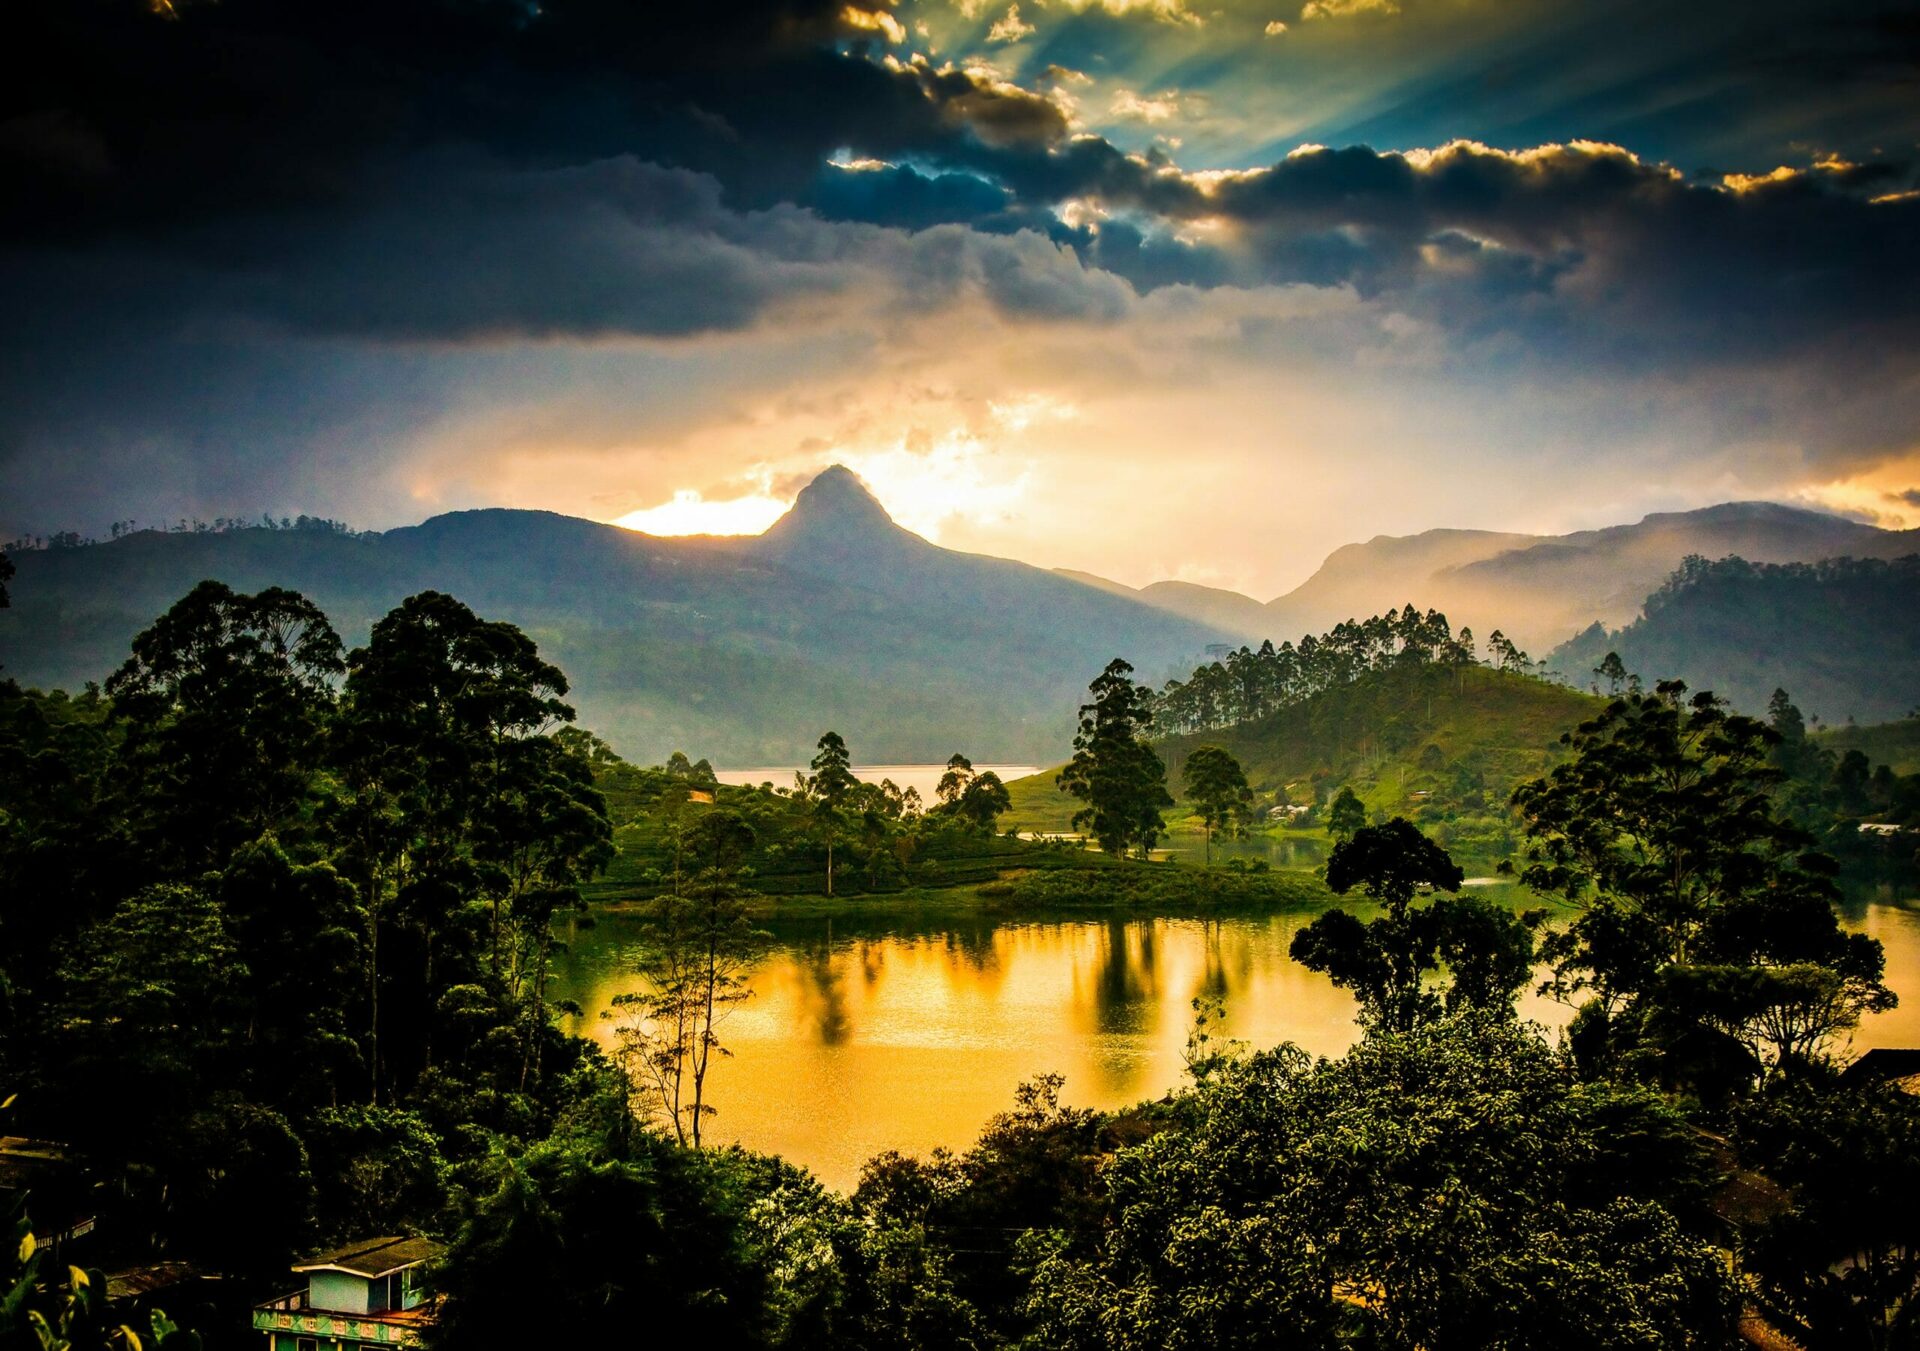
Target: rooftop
[(373, 1257)]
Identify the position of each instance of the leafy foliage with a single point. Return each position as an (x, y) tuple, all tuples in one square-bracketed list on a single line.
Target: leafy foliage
[(1436, 1189), (1385, 961), (1706, 911)]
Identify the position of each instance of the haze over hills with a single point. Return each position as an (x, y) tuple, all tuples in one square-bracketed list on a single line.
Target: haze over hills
[(1541, 590), (741, 649)]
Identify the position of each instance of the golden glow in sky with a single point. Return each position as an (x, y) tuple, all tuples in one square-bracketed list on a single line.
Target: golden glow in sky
[(688, 512)]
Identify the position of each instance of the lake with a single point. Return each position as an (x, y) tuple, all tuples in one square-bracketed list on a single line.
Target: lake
[(873, 1034)]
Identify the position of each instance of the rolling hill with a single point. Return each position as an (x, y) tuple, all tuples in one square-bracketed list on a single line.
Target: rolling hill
[(1443, 748), (739, 649)]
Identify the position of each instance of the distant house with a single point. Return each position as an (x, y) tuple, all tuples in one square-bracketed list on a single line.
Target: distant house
[(367, 1294)]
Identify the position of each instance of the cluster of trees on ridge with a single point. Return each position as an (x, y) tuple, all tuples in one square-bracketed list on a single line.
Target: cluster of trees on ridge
[(1253, 683), (275, 922), (1840, 634)]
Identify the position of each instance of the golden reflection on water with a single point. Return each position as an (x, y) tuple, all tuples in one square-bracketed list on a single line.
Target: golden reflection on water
[(909, 1039), (851, 1045)]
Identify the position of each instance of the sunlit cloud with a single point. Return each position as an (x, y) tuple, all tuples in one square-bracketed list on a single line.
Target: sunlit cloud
[(1010, 27), (1342, 9), (874, 21), (927, 484), (1888, 494), (1154, 108), (1167, 11)]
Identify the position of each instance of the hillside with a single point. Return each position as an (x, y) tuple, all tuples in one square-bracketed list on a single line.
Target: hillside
[(1842, 637), (1442, 747), (1894, 744), (741, 650), (1538, 589)]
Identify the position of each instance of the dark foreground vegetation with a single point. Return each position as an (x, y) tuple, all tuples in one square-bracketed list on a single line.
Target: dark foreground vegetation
[(276, 925)]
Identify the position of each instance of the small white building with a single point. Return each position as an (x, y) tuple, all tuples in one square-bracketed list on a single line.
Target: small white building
[(367, 1294)]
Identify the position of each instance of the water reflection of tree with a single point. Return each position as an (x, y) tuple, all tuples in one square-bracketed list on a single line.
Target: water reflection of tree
[(1215, 983), (974, 944), (1125, 987), (823, 991)]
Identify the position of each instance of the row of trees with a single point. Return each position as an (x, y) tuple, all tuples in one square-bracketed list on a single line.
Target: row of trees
[(1252, 683), (184, 525)]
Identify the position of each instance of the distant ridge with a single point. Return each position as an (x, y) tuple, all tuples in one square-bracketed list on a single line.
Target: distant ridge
[(1540, 590), (740, 649)]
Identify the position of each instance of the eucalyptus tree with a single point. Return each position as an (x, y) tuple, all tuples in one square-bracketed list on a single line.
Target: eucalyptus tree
[(430, 741), (829, 786), (224, 699), (698, 948), (1114, 771)]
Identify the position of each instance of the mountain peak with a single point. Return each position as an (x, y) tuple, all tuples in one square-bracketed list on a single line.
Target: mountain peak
[(835, 500), (838, 496)]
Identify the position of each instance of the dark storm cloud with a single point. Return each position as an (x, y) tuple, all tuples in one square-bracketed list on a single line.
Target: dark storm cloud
[(385, 173)]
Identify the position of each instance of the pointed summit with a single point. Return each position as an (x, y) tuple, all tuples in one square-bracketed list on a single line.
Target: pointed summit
[(835, 516), (837, 528), (838, 499)]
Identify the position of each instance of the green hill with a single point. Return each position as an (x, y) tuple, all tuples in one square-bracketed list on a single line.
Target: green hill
[(1842, 637), (1442, 747)]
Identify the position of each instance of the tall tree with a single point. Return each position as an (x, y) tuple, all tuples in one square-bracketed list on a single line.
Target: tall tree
[(830, 785), (698, 948), (984, 802), (1386, 961), (436, 708), (224, 699), (1346, 814), (1114, 771), (953, 783), (1663, 827), (1217, 787)]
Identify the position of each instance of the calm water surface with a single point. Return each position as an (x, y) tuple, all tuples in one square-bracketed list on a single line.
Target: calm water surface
[(908, 1033), (873, 1036)]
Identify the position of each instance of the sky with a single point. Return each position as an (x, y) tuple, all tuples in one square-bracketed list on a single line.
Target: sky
[(1150, 288)]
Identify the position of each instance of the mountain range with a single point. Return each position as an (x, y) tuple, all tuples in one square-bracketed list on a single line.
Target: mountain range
[(740, 649), (745, 648), (1539, 589)]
